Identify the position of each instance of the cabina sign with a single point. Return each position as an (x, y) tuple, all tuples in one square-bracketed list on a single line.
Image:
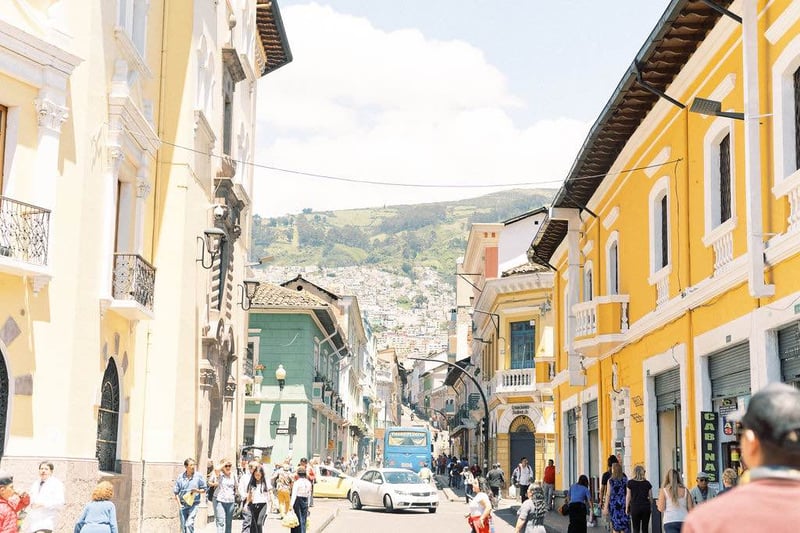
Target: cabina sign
[(708, 428)]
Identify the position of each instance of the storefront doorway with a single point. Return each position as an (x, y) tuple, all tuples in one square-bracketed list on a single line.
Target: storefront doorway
[(522, 442)]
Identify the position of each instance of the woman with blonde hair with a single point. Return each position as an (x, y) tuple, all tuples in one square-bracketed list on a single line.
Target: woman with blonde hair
[(99, 515), (729, 479), (638, 500), (673, 502)]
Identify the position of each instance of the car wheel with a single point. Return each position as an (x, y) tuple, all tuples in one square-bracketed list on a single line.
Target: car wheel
[(432, 509), (355, 501), (387, 502)]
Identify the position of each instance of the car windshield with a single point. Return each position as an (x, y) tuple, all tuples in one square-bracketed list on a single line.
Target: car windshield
[(402, 477)]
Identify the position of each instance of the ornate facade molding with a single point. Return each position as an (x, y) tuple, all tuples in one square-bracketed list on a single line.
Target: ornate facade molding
[(50, 115)]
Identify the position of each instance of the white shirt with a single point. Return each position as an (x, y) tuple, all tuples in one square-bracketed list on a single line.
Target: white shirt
[(47, 499), (301, 488), (260, 494)]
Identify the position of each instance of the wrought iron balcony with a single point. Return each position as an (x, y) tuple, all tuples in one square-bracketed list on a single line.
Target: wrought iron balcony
[(134, 286), (247, 367), (24, 231)]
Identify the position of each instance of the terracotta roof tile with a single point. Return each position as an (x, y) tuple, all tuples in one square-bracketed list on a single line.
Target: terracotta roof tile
[(270, 296)]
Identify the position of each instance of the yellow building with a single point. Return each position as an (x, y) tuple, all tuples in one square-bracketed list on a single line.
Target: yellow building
[(117, 346), (505, 328), (675, 242)]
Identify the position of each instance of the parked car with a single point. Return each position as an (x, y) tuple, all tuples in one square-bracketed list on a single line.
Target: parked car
[(332, 483), (393, 488)]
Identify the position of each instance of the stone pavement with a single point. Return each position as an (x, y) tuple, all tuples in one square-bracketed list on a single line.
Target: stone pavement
[(506, 512), (321, 514)]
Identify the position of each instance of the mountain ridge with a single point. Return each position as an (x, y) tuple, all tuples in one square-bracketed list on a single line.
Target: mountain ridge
[(392, 238)]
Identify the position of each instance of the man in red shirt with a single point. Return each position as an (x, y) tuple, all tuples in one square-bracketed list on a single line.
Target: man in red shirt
[(11, 504), (770, 442), (549, 483)]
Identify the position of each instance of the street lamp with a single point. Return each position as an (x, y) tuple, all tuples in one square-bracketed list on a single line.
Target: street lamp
[(280, 375), (248, 291), (483, 397), (212, 244)]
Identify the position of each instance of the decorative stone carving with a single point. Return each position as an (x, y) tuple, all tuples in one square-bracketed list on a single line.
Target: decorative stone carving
[(230, 388), (208, 376), (143, 188), (50, 115)]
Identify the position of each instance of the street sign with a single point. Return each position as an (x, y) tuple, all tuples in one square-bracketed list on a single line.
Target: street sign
[(282, 431)]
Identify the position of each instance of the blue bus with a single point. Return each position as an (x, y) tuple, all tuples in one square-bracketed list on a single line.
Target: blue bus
[(407, 447)]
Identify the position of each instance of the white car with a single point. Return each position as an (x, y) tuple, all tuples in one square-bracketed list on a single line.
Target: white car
[(393, 488)]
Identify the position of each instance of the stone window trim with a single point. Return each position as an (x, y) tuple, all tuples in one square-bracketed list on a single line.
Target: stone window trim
[(659, 191), (588, 281), (612, 262), (714, 225), (787, 173)]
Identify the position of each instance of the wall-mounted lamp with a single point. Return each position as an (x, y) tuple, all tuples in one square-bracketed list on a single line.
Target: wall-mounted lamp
[(713, 108), (211, 244), (248, 291), (495, 318), (545, 307), (280, 375)]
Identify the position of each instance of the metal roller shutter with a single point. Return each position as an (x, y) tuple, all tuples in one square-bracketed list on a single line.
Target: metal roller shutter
[(789, 352), (729, 371), (592, 418), (668, 390)]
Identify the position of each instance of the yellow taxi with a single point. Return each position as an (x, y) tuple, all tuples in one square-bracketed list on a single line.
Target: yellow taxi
[(331, 483)]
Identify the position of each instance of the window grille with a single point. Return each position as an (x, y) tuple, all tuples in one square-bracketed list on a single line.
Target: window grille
[(108, 420), (725, 179)]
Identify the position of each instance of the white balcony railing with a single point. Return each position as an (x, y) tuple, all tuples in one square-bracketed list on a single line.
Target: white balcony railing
[(514, 380), (590, 324)]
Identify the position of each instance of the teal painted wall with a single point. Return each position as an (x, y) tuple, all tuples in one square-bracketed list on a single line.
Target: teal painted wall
[(286, 339)]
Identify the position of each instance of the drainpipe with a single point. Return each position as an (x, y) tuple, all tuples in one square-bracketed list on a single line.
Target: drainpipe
[(752, 144), (577, 377)]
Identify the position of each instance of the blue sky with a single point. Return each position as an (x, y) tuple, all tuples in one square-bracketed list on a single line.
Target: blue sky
[(437, 92)]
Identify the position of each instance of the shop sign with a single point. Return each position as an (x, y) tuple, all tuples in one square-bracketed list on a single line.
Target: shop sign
[(708, 451), (520, 409)]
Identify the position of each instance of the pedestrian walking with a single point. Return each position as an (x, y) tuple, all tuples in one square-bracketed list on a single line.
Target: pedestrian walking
[(425, 473), (615, 507), (580, 499), (612, 460), (639, 500), (522, 478), (495, 479), (301, 492), (480, 508), (224, 501), (530, 517), (187, 490), (11, 504), (244, 482), (283, 480), (47, 501), (258, 499), (769, 438), (674, 502), (100, 514), (702, 492), (549, 483)]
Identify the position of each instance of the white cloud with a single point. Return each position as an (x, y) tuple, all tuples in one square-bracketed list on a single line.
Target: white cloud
[(363, 103)]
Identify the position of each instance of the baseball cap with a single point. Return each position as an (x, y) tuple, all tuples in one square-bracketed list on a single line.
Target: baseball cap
[(702, 475), (6, 479), (773, 414)]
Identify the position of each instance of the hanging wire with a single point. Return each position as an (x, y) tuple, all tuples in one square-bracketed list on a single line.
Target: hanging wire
[(395, 183)]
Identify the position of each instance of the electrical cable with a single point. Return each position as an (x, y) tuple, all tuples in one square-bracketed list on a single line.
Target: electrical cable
[(394, 183)]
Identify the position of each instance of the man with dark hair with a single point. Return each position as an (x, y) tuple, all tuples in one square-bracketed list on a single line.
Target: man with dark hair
[(769, 438), (522, 476), (187, 490), (47, 500)]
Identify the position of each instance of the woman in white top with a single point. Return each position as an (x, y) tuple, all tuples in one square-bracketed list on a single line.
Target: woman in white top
[(301, 493), (480, 508), (258, 499), (224, 482), (673, 502)]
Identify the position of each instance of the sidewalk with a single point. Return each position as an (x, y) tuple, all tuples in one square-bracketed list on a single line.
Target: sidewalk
[(506, 512), (323, 512)]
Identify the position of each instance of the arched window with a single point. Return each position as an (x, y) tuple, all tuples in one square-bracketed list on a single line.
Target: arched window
[(612, 271), (659, 226), (3, 402), (588, 282), (108, 419)]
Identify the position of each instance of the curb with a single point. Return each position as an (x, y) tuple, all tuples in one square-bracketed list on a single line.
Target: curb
[(327, 521)]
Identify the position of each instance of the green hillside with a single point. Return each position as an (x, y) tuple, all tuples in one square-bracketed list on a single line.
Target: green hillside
[(392, 238)]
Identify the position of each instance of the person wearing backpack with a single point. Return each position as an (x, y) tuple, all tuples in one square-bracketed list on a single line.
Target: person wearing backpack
[(530, 517), (522, 477)]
